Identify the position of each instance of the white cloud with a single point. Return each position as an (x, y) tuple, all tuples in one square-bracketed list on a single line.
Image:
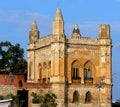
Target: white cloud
[(9, 16), (21, 21)]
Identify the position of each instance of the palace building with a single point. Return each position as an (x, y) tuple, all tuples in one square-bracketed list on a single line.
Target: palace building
[(77, 68)]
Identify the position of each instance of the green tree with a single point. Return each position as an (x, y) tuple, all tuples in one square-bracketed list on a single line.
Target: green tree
[(49, 100), (12, 58)]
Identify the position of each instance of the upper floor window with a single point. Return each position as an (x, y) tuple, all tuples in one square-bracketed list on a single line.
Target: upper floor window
[(75, 72), (88, 72)]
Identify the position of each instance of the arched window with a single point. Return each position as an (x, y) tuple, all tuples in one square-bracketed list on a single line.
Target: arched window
[(88, 72), (49, 70), (75, 97), (20, 83), (44, 71), (75, 74), (30, 69), (40, 73), (88, 97)]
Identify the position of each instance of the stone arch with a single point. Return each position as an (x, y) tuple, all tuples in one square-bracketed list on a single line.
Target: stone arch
[(44, 74), (75, 97), (20, 83), (76, 63), (40, 72), (88, 72), (44, 65), (49, 64), (75, 71), (88, 97), (30, 69), (49, 70)]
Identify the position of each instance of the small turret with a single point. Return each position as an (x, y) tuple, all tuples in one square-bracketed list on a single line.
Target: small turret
[(104, 32), (34, 32), (76, 29), (58, 23), (76, 32)]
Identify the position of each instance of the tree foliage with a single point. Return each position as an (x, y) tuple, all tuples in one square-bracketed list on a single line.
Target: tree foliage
[(47, 100), (36, 98), (12, 58)]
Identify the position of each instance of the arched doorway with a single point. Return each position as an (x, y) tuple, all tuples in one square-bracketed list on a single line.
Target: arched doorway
[(23, 96)]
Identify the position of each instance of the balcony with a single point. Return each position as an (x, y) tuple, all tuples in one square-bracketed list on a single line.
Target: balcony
[(88, 80), (76, 80)]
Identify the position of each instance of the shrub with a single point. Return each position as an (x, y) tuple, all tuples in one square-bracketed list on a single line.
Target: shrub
[(36, 98), (48, 100), (1, 97)]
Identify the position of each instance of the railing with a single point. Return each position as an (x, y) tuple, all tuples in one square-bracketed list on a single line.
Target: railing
[(88, 80), (76, 80)]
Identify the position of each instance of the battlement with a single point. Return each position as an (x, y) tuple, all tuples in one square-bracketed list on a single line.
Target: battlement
[(84, 40)]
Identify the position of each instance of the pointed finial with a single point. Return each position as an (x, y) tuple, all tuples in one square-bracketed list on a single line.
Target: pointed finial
[(76, 32), (58, 15), (76, 29), (34, 25)]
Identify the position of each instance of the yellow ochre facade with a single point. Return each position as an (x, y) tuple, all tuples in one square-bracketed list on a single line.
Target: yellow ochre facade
[(78, 68)]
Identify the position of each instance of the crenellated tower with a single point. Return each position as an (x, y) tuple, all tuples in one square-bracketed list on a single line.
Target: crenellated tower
[(105, 52), (106, 59)]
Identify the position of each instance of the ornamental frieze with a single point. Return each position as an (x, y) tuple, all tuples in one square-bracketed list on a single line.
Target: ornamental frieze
[(82, 47), (83, 54)]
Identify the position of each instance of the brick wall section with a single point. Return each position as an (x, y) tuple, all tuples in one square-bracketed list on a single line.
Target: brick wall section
[(5, 80), (36, 85)]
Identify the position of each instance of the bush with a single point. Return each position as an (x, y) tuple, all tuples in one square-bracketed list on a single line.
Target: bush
[(36, 98), (1, 97), (48, 100)]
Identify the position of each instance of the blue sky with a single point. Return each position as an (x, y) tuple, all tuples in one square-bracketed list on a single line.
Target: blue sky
[(16, 17)]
